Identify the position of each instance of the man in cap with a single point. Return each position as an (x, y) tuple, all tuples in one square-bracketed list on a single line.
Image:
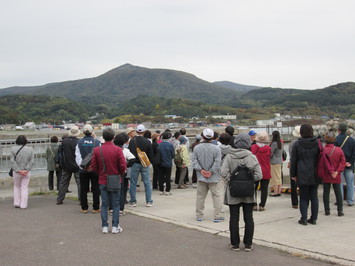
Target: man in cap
[(84, 147), (69, 164), (206, 160), (252, 134), (347, 144), (144, 145)]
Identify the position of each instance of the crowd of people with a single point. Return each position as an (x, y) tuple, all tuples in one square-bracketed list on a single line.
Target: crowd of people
[(122, 158)]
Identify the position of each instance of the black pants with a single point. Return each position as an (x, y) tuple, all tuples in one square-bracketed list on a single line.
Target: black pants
[(294, 195), (194, 177), (309, 194), (234, 224), (337, 191), (177, 176), (264, 184), (155, 176), (164, 177), (87, 178), (123, 194), (51, 177)]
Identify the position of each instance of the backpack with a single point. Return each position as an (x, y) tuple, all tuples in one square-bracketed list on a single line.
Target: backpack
[(324, 166), (177, 158), (241, 182)]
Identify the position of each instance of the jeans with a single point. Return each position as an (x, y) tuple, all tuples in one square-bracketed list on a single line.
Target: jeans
[(51, 177), (164, 177), (309, 193), (135, 170), (326, 192), (114, 197), (348, 177), (264, 184), (85, 179), (64, 184), (234, 224)]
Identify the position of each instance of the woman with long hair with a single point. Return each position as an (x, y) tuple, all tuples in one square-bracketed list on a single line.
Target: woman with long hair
[(276, 163)]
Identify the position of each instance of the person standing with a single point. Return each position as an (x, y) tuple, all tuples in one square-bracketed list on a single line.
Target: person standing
[(240, 155), (185, 161), (198, 139), (294, 193), (167, 153), (206, 159), (304, 159), (347, 144), (52, 166), (108, 159), (155, 140), (137, 168), (85, 146), (22, 158), (276, 163), (70, 166)]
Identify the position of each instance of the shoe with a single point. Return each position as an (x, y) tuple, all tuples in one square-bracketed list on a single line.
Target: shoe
[(116, 230), (350, 205), (84, 211), (295, 206), (199, 219), (161, 193), (261, 209), (110, 211), (149, 204), (302, 222), (279, 195), (105, 230), (68, 191), (255, 208), (167, 193), (194, 185), (59, 202), (132, 204), (16, 206), (96, 211), (273, 195), (312, 221), (181, 187), (340, 214), (327, 213), (186, 186), (122, 213), (248, 248), (235, 248), (218, 219)]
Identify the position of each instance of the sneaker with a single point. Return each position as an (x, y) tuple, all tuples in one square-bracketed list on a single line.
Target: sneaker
[(122, 213), (105, 230), (235, 248), (84, 211), (96, 211), (150, 204), (132, 204), (302, 222), (312, 221), (116, 230), (248, 248), (218, 219), (261, 209), (327, 213), (255, 208), (199, 219), (340, 214), (161, 193), (194, 185), (167, 193)]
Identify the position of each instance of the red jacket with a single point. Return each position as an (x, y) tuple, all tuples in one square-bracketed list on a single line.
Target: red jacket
[(263, 155), (337, 159), (114, 160)]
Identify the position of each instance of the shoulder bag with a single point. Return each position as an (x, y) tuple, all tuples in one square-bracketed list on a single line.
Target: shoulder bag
[(113, 181), (11, 170)]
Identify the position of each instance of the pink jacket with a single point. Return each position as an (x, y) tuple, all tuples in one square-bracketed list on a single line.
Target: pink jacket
[(263, 155), (337, 160)]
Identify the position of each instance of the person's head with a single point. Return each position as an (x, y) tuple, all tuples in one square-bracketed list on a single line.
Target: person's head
[(140, 129), (225, 138), (131, 132), (207, 134), (87, 130), (166, 135), (121, 139), (183, 131), (183, 140), (198, 137), (215, 135), (306, 131), (177, 135), (158, 131), (65, 135), (262, 137), (21, 140), (252, 134), (108, 134), (155, 137), (342, 128), (54, 139), (229, 130), (329, 137), (241, 141), (147, 134), (276, 138), (74, 131)]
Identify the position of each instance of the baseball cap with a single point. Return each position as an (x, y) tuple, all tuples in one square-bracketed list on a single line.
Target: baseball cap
[(140, 128), (88, 128), (252, 133), (208, 133)]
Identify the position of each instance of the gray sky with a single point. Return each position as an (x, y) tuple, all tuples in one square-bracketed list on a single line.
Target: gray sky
[(305, 44)]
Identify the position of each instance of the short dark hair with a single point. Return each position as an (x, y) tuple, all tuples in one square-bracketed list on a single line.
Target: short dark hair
[(225, 138), (230, 130), (306, 131), (108, 134), (177, 134), (215, 135), (120, 139), (147, 134), (166, 135), (183, 131), (54, 139), (21, 140)]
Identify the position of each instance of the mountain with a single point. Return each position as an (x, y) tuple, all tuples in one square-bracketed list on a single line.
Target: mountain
[(127, 82), (236, 86)]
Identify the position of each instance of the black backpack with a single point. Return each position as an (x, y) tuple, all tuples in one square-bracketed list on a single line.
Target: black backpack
[(241, 182)]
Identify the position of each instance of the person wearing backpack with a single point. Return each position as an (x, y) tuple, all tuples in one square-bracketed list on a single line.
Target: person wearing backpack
[(337, 160), (304, 158), (240, 157)]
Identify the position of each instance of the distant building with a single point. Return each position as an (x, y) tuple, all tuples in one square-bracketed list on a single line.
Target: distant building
[(269, 122), (30, 126), (225, 117)]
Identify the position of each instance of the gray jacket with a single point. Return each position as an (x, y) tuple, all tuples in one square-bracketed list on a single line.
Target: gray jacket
[(276, 154), (232, 160), (207, 156), (51, 155), (24, 159)]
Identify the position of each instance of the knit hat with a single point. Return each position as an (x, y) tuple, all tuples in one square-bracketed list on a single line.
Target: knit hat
[(262, 137), (343, 127), (140, 128), (297, 132), (241, 141), (74, 131), (87, 129), (208, 133)]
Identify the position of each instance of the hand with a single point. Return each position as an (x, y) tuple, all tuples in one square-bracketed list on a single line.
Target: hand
[(347, 164), (335, 174), (206, 174), (183, 165), (23, 172), (289, 165), (294, 178)]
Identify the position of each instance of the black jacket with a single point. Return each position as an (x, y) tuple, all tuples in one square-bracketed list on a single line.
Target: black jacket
[(68, 154), (144, 145), (348, 148), (304, 161)]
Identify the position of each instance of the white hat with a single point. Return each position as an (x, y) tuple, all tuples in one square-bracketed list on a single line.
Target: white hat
[(297, 132), (208, 133), (140, 128), (129, 130), (74, 131), (88, 129)]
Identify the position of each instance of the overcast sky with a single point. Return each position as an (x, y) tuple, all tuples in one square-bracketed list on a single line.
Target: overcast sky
[(305, 44)]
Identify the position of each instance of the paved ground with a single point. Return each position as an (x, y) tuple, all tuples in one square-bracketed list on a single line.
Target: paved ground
[(47, 234)]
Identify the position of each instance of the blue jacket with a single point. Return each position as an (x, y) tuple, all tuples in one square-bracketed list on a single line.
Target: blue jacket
[(348, 148), (167, 153)]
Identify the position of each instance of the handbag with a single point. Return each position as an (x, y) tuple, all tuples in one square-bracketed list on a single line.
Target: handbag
[(86, 162), (11, 172), (113, 181)]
